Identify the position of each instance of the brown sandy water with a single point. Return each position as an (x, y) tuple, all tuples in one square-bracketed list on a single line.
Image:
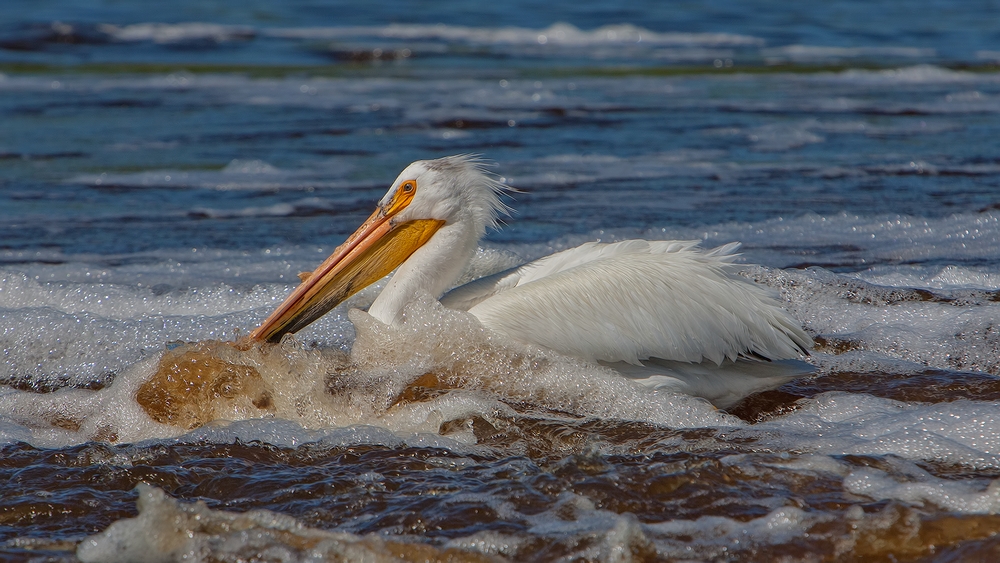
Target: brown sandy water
[(538, 484)]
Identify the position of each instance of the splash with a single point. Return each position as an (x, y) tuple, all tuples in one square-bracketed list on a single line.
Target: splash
[(438, 372), (167, 530), (193, 386)]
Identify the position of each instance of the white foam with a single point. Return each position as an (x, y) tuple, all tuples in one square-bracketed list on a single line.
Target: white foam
[(948, 330), (856, 240), (237, 175), (563, 34), (166, 33), (784, 136), (613, 537), (954, 496), (81, 331), (251, 166), (960, 432), (790, 135), (917, 74), (489, 543), (717, 535), (949, 277), (167, 530), (72, 416)]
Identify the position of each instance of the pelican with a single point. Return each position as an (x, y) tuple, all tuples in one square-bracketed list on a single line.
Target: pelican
[(664, 313)]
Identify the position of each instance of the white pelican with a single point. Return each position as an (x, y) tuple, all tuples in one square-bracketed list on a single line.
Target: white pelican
[(664, 313)]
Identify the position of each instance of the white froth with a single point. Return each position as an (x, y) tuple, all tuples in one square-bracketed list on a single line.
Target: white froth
[(880, 238), (949, 277), (954, 496), (72, 416), (718, 535), (166, 530), (917, 74), (81, 332), (489, 543), (960, 432), (562, 34), (948, 330), (612, 537), (237, 175), (165, 33), (789, 135)]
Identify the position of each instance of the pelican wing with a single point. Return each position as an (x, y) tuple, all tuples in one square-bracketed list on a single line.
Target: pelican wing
[(634, 300)]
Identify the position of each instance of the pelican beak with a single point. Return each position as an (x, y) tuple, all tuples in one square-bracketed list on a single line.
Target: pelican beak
[(375, 249)]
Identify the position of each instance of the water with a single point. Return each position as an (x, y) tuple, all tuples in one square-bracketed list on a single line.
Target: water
[(167, 171)]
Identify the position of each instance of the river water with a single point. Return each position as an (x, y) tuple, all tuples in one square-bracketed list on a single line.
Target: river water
[(165, 172)]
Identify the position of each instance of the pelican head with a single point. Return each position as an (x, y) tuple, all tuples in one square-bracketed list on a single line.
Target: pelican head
[(435, 211)]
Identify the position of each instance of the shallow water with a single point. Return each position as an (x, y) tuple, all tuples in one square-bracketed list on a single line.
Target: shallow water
[(166, 172)]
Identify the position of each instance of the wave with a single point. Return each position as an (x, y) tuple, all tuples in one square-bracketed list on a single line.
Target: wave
[(173, 33), (557, 34), (403, 41), (575, 528)]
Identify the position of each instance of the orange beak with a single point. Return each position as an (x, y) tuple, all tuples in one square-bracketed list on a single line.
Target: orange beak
[(368, 255)]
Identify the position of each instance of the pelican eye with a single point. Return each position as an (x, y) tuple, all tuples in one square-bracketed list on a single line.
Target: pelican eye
[(402, 197)]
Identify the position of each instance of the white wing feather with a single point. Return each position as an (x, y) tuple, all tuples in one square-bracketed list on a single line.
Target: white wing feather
[(634, 300)]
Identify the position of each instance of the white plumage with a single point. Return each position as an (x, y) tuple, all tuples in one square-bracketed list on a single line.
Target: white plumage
[(665, 313), (634, 300)]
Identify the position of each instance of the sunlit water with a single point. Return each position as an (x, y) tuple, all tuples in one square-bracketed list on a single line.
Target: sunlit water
[(165, 173)]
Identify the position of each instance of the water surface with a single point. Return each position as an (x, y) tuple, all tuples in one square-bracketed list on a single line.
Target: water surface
[(165, 172)]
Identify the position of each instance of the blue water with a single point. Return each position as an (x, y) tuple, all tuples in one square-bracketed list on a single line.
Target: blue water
[(594, 99), (167, 168)]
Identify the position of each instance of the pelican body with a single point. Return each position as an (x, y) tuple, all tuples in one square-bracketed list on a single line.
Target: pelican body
[(665, 313)]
